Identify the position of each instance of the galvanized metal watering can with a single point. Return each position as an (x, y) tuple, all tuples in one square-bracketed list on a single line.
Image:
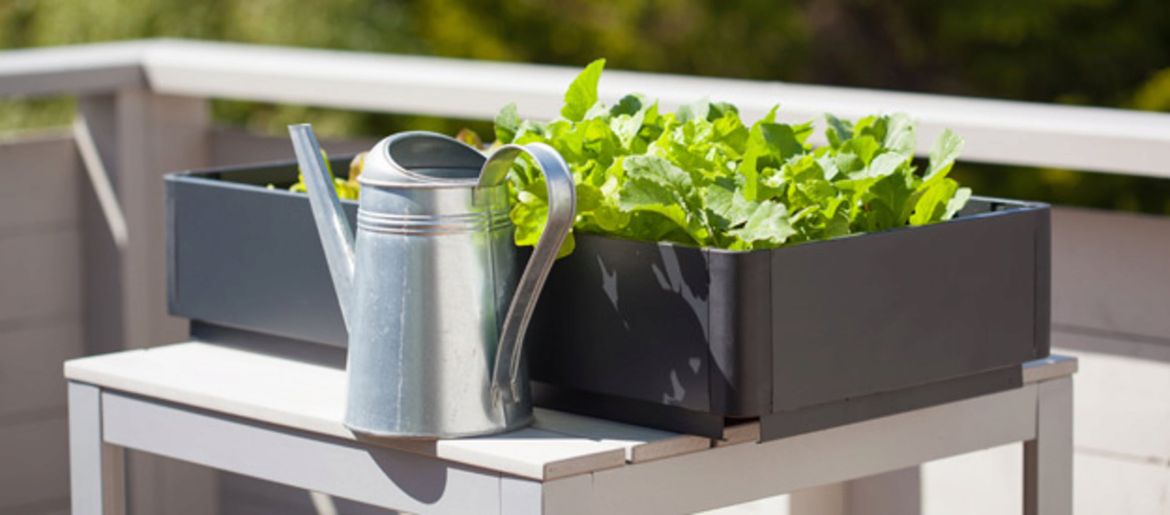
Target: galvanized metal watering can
[(428, 289)]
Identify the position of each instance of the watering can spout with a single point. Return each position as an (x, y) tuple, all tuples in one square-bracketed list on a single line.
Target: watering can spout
[(332, 225)]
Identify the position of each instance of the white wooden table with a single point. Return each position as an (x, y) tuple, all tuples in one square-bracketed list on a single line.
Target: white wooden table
[(277, 416)]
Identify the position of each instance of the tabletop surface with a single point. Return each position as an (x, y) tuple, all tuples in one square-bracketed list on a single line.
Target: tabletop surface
[(305, 391)]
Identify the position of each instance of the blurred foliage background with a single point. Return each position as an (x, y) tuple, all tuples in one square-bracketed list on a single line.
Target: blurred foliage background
[(1092, 52)]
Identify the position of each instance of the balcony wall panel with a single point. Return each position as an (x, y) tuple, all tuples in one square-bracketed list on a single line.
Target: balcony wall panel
[(40, 320), (40, 186), (1111, 273), (35, 454), (231, 146), (40, 271), (30, 367), (1122, 402), (40, 268)]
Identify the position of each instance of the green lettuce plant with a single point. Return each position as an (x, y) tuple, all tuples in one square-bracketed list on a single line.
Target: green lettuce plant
[(701, 176)]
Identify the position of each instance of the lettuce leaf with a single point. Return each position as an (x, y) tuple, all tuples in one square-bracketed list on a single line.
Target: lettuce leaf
[(582, 93)]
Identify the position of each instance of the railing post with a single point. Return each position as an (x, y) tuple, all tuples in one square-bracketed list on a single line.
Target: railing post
[(139, 136)]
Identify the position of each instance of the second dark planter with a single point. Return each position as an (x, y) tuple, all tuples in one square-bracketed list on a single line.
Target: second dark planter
[(807, 336)]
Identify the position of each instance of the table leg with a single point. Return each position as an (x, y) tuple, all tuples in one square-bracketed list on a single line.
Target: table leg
[(568, 496), (96, 469), (1048, 460)]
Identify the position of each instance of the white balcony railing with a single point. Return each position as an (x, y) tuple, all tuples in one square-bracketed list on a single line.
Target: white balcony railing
[(997, 131)]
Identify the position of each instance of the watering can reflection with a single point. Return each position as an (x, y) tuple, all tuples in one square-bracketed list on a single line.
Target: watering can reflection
[(428, 289)]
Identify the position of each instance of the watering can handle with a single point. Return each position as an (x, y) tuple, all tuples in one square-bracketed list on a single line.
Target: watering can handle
[(562, 207)]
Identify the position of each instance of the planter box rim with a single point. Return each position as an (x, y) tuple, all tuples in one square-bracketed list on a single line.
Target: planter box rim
[(1017, 205)]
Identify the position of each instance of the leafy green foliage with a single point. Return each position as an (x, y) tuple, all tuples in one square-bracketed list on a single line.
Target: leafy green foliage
[(347, 189), (582, 93), (701, 176)]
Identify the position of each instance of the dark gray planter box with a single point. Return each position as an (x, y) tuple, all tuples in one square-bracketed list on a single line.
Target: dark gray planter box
[(687, 339)]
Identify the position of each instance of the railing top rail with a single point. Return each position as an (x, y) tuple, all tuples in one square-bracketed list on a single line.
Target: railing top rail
[(80, 69), (997, 131)]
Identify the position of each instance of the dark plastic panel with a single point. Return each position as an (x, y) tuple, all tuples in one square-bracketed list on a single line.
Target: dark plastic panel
[(902, 308), (248, 257), (782, 424), (740, 333), (627, 318)]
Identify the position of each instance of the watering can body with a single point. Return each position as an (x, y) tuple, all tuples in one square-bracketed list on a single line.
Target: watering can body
[(429, 286)]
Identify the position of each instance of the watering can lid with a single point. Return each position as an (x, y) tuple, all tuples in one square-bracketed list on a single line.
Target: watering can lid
[(422, 159)]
